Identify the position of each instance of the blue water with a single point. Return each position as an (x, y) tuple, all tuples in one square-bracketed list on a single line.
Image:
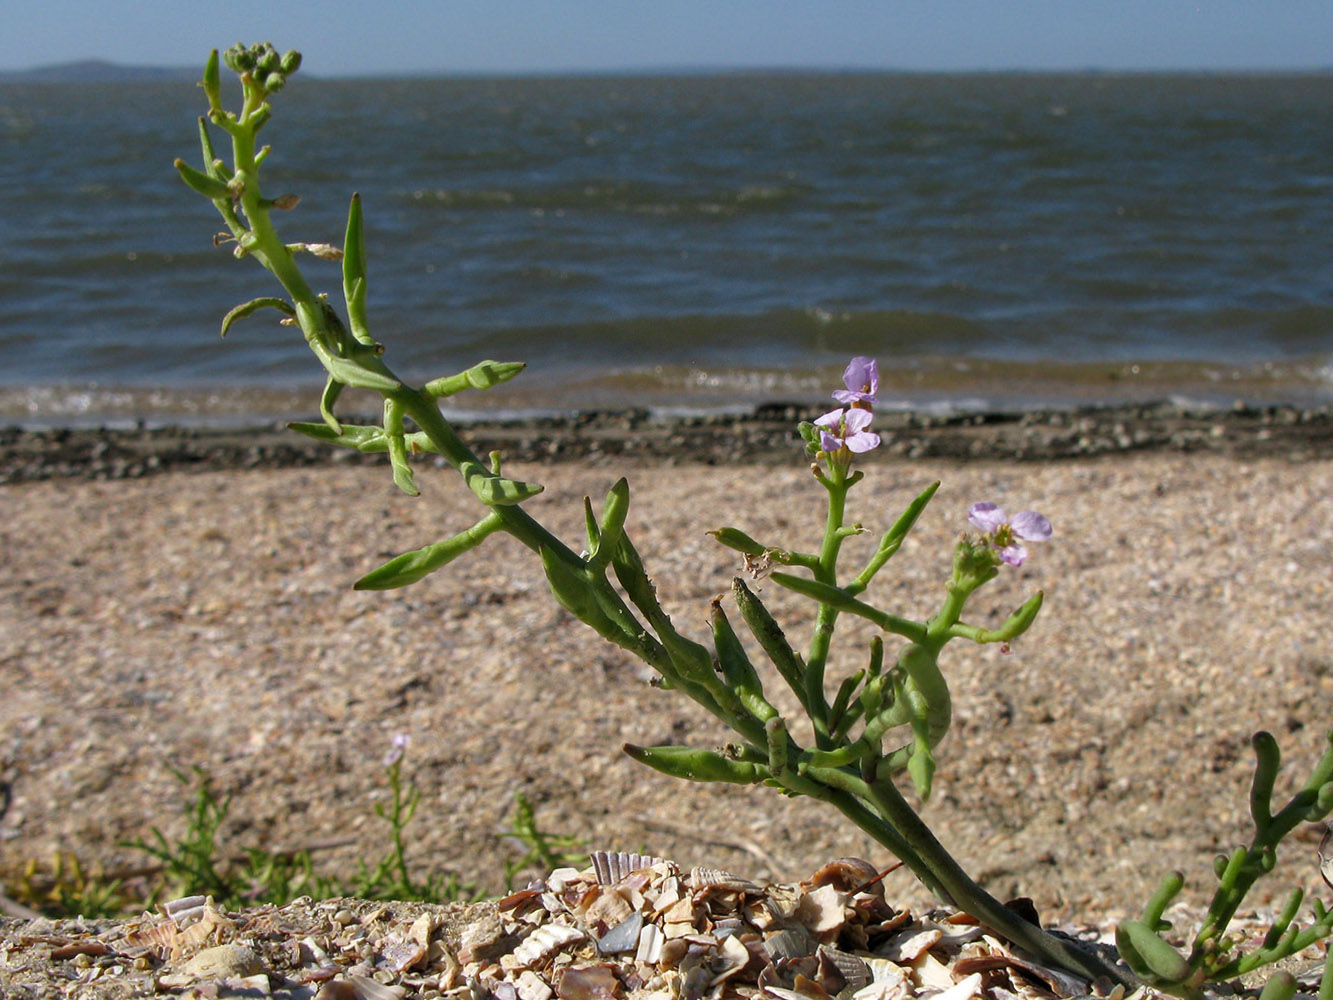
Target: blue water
[(692, 242)]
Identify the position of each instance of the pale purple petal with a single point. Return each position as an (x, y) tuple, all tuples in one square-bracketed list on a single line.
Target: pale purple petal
[(1030, 525), (862, 441), (986, 515), (397, 746), (862, 381), (832, 420), (857, 420), (828, 442), (1014, 554)]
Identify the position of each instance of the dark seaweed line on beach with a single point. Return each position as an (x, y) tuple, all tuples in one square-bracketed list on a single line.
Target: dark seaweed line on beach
[(765, 436)]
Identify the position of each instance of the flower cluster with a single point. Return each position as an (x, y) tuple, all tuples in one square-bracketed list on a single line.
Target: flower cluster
[(1007, 534), (845, 431)]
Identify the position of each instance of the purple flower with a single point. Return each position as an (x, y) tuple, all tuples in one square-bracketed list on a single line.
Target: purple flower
[(397, 747), (846, 429), (1004, 531), (862, 381)]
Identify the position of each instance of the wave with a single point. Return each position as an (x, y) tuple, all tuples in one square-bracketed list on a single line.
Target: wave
[(632, 197)]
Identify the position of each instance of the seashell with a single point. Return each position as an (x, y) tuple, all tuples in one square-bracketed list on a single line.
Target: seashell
[(821, 910), (788, 944), (957, 935), (909, 945), (887, 982), (545, 941), (672, 952), (561, 877), (852, 972), (732, 957), (311, 953), (587, 982), (607, 909), (715, 878), (885, 990), (849, 875), (678, 919), (517, 899), (481, 938), (1057, 980), (184, 910), (612, 866), (818, 993), (422, 928), (728, 925), (622, 937), (531, 986), (668, 893), (357, 987), (505, 991), (402, 955), (650, 945), (224, 961), (930, 973), (964, 989)]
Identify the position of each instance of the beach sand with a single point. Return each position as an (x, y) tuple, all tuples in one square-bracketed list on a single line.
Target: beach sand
[(207, 620)]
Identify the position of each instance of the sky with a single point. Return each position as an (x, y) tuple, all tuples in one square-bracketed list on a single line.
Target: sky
[(350, 37)]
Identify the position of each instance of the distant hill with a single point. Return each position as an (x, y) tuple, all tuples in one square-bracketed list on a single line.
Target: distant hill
[(95, 71)]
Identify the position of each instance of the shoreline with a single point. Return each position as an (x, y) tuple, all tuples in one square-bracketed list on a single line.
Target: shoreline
[(765, 435)]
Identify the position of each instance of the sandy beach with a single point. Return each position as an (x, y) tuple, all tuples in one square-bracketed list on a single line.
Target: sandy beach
[(207, 620)]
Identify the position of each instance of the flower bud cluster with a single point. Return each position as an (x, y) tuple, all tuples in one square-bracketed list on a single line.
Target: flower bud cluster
[(263, 64)]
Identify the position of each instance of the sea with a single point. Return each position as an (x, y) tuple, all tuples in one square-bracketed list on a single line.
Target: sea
[(689, 243)]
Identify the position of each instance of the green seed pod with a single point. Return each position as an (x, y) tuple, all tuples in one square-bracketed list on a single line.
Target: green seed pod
[(393, 433), (412, 566), (614, 511), (351, 372), (1151, 958), (921, 768), (212, 81), (733, 538), (209, 187), (1280, 986), (1268, 758), (496, 491), (737, 670), (332, 390), (1161, 899), (843, 699), (573, 592), (354, 271), (363, 438), (1323, 804), (484, 375), (697, 765), (872, 695), (246, 308), (771, 638), (590, 525)]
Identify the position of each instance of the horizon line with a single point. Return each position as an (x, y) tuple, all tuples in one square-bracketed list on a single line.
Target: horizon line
[(113, 67)]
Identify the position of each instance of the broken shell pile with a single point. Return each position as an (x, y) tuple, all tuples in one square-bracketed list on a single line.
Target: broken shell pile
[(639, 927), (627, 928)]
